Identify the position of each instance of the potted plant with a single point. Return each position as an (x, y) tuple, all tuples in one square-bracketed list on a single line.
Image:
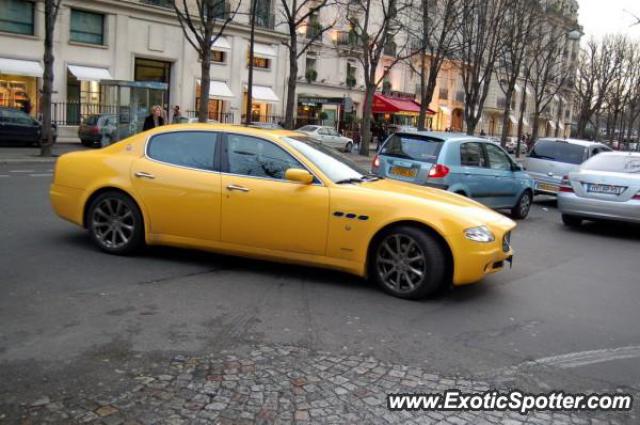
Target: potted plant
[(311, 75)]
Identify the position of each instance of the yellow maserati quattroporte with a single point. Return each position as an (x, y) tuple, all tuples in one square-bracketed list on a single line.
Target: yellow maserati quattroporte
[(277, 195)]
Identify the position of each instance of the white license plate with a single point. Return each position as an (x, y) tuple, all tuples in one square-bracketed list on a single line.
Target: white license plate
[(605, 188)]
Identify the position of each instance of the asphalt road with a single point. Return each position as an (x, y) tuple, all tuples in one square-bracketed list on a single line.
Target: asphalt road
[(564, 317)]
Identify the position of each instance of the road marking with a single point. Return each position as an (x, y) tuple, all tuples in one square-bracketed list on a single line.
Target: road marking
[(41, 175), (4, 175), (584, 358), (21, 171)]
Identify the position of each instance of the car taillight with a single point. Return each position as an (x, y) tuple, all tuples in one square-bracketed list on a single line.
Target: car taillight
[(637, 196), (376, 162), (95, 130), (438, 171), (565, 185)]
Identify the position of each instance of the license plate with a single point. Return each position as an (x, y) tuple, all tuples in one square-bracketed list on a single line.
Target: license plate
[(404, 172), (547, 187), (605, 188)]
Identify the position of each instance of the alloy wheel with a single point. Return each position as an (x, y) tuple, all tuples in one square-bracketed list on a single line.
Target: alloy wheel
[(525, 204), (401, 263), (113, 223)]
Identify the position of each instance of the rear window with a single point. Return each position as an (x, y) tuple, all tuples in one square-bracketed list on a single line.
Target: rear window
[(91, 120), (559, 151), (614, 163), (418, 148)]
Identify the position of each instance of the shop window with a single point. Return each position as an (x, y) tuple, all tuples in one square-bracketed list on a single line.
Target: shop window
[(262, 63), (18, 92), (17, 16), (87, 27), (218, 56)]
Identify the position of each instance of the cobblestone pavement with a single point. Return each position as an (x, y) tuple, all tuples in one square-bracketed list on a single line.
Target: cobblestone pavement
[(269, 385)]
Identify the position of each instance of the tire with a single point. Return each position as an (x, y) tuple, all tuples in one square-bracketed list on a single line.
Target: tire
[(349, 147), (571, 220), (420, 277), (521, 210), (86, 143), (115, 223)]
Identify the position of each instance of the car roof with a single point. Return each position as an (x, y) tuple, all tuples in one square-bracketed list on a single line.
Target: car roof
[(620, 153), (572, 141), (443, 135)]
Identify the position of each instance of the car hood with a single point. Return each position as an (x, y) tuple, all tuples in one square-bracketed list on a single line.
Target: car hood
[(458, 207)]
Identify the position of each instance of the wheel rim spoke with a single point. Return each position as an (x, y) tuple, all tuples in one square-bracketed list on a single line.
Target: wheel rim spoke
[(113, 223), (401, 263)]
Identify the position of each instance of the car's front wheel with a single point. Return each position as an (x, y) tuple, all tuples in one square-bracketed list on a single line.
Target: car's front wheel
[(348, 147), (521, 209), (571, 220), (408, 263), (115, 223)]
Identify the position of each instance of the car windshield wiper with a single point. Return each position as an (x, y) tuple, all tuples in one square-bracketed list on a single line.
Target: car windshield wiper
[(350, 180), (370, 177)]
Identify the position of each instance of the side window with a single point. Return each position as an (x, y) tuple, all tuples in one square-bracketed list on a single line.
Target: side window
[(471, 155), (249, 156), (323, 131), (22, 118), (193, 149), (498, 160)]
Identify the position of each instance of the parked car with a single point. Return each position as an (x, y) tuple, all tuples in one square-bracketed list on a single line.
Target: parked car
[(466, 165), (328, 136), (607, 186), (17, 127), (94, 127), (552, 158), (277, 195), (512, 146), (266, 125)]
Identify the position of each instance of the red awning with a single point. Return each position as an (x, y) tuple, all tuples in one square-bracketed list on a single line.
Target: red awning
[(393, 105)]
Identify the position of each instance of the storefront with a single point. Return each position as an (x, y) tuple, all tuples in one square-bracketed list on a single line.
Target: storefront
[(83, 92), (219, 96), (319, 110), (19, 84), (262, 100), (397, 110)]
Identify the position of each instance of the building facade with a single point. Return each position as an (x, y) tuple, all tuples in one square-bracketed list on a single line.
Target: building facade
[(132, 54)]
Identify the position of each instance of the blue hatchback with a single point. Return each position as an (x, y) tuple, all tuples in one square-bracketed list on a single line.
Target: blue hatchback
[(467, 165)]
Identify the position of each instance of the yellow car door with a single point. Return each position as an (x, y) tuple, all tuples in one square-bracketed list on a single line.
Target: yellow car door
[(178, 185), (261, 209)]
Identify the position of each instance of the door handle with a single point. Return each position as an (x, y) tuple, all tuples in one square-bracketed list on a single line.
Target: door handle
[(142, 174), (238, 188)]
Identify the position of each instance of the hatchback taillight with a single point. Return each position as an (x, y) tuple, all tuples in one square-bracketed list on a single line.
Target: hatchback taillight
[(565, 185), (438, 171), (376, 162)]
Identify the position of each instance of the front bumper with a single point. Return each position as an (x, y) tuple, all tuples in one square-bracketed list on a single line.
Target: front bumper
[(474, 260), (572, 204)]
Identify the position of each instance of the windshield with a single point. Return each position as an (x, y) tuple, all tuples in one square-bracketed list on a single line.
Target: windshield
[(419, 148), (334, 165), (613, 163), (559, 151)]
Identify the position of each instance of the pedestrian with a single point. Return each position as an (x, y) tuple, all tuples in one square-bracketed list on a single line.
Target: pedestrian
[(177, 115), (357, 137), (154, 119), (26, 107)]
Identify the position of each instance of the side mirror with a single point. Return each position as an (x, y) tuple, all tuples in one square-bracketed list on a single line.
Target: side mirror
[(299, 175), (517, 167)]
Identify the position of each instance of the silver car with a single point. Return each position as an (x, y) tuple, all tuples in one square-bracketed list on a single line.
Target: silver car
[(606, 187), (328, 136), (552, 158)]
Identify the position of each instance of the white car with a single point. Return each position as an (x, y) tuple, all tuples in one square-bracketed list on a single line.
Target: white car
[(328, 136)]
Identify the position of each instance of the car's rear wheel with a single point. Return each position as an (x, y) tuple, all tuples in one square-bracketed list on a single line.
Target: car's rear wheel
[(408, 263), (521, 209), (115, 223), (348, 147), (571, 220)]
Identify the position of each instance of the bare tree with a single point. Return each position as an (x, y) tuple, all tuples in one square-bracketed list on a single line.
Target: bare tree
[(520, 20), (300, 15), (480, 44), (597, 67), (375, 25), (548, 73), (436, 41), (51, 9), (203, 22)]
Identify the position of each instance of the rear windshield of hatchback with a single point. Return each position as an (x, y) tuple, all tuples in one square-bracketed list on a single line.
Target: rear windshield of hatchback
[(417, 148), (559, 151)]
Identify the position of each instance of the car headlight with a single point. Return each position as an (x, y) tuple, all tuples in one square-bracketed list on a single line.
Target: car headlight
[(479, 234)]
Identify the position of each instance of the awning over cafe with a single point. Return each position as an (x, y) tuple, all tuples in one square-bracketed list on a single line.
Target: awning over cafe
[(393, 105), (264, 94), (90, 73), (20, 67), (219, 90)]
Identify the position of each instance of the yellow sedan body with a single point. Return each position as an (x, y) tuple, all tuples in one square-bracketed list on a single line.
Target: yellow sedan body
[(270, 195)]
